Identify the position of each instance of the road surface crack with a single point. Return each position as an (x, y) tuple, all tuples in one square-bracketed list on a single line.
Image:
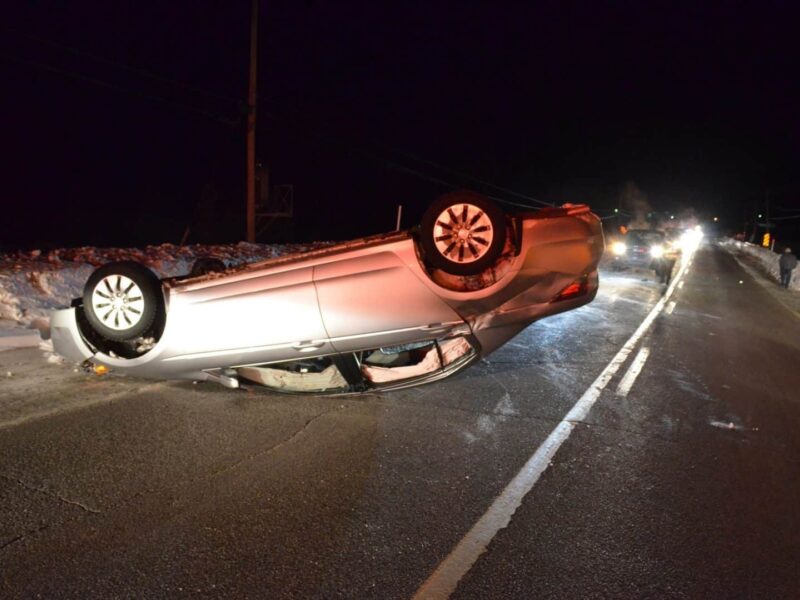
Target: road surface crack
[(183, 484), (50, 494), (22, 536), (270, 449)]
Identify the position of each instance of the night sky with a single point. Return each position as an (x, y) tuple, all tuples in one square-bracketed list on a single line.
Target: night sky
[(123, 122)]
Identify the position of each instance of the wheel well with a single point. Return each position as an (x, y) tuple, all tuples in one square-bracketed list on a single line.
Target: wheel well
[(489, 276), (129, 349)]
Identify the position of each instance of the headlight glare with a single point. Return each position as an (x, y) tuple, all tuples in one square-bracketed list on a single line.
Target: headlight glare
[(657, 251), (619, 248)]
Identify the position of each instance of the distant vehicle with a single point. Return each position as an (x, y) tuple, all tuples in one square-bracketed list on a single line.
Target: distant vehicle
[(379, 313), (638, 248)]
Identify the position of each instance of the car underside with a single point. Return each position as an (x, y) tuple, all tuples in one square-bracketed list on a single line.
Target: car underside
[(378, 313)]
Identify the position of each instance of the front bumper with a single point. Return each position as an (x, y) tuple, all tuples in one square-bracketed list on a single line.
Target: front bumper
[(67, 339)]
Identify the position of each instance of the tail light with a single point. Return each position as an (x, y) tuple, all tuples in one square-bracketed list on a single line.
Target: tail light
[(577, 288)]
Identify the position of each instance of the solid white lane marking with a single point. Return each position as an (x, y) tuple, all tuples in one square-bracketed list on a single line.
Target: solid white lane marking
[(67, 408), (630, 376), (670, 307), (680, 285), (444, 579), (19, 339)]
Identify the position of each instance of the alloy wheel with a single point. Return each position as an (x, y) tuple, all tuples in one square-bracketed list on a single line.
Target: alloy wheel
[(118, 302), (463, 233)]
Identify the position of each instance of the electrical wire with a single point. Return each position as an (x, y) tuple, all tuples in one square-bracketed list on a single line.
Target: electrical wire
[(784, 218), (474, 179), (783, 208), (72, 74), (121, 65), (370, 153), (210, 115)]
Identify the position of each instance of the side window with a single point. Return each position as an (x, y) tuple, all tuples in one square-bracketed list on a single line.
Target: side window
[(306, 375), (396, 363)]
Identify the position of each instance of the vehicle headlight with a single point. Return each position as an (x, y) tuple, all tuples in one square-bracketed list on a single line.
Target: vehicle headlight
[(657, 251), (619, 248)]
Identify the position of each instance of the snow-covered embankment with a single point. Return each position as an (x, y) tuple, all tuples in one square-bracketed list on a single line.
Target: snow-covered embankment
[(766, 259), (34, 282)]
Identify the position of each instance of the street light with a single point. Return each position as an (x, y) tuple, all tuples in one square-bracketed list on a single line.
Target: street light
[(716, 219)]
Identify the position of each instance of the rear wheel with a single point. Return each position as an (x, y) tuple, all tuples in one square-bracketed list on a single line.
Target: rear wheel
[(463, 233), (121, 300)]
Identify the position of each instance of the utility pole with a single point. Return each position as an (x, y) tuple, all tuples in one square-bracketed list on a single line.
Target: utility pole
[(251, 126)]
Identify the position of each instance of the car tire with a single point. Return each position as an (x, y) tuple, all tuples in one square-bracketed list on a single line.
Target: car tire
[(463, 233), (121, 300)]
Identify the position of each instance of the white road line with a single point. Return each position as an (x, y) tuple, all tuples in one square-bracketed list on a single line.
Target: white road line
[(443, 581), (670, 307), (43, 414), (22, 339), (680, 285), (633, 372)]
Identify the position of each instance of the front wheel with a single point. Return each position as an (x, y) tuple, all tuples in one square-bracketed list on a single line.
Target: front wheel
[(121, 300), (463, 233)]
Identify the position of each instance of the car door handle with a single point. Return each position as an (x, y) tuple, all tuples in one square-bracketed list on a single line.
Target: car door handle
[(307, 346), (435, 327)]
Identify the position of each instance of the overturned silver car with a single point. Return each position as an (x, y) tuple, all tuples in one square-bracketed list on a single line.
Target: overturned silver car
[(380, 313)]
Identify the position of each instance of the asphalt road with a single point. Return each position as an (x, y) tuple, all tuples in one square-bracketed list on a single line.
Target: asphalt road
[(685, 486)]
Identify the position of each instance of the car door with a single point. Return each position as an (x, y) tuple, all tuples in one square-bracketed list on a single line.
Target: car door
[(374, 300), (247, 318)]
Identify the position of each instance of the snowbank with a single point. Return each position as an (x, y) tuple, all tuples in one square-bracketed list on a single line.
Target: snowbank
[(767, 260), (32, 283)]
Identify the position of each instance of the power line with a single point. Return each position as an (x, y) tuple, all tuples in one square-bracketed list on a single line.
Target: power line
[(785, 209), (123, 66), (72, 74), (339, 141), (370, 153), (231, 122), (466, 177), (208, 114), (474, 179)]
